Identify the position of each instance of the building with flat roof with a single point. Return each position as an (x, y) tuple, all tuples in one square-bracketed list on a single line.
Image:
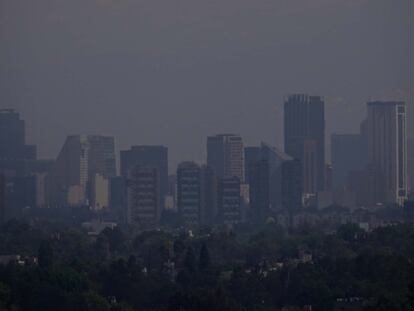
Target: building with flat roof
[(387, 150)]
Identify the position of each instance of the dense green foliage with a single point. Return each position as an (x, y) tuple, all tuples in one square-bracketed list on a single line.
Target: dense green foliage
[(246, 269)]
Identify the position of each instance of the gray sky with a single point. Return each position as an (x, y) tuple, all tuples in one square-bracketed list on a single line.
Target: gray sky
[(174, 71)]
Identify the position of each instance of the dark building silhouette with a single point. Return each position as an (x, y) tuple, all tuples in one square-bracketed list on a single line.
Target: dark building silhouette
[(196, 194), (304, 133), (147, 156), (229, 201), (349, 152), (144, 208), (225, 154), (251, 156), (18, 164), (259, 190), (257, 158), (410, 165), (118, 197), (292, 184), (2, 198), (12, 138)]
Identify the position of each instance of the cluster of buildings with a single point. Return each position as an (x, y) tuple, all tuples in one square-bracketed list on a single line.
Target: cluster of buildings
[(237, 184)]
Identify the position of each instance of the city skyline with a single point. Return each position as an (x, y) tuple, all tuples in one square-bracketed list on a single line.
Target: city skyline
[(165, 75)]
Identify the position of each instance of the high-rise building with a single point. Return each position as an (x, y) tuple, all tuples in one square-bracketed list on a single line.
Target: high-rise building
[(118, 197), (80, 160), (229, 202), (12, 137), (257, 157), (251, 156), (147, 156), (225, 154), (348, 153), (410, 165), (292, 184), (2, 198), (143, 197), (196, 194), (189, 192), (387, 144), (259, 190), (304, 132)]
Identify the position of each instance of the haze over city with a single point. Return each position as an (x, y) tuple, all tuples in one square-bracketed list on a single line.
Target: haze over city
[(174, 72), (215, 155)]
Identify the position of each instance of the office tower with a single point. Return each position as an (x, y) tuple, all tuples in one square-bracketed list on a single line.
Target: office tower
[(208, 196), (304, 132), (410, 164), (147, 156), (12, 137), (118, 197), (2, 198), (80, 160), (143, 197), (196, 194), (259, 190), (387, 143), (251, 156), (229, 203), (292, 184), (189, 192), (274, 159), (348, 153), (225, 155)]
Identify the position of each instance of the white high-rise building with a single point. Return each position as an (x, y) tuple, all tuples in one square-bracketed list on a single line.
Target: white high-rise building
[(387, 143)]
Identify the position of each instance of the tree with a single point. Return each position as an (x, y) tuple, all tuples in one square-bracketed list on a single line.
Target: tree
[(204, 261), (45, 255), (190, 261)]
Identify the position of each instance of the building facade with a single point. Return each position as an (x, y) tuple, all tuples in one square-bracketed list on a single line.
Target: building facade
[(144, 208), (147, 156), (229, 201), (196, 194), (225, 155), (387, 143), (82, 157), (304, 135)]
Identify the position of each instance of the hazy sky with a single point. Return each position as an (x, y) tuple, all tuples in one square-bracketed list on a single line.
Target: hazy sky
[(174, 71)]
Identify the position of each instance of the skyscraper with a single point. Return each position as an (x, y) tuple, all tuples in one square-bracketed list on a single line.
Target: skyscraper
[(292, 184), (387, 143), (2, 198), (147, 156), (410, 165), (229, 202), (12, 137), (225, 154), (257, 158), (81, 159), (143, 197), (251, 156), (189, 192), (348, 153), (196, 193), (259, 190), (304, 133)]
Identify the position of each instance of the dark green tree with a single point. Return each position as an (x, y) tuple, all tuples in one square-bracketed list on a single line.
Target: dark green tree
[(45, 255), (204, 261)]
